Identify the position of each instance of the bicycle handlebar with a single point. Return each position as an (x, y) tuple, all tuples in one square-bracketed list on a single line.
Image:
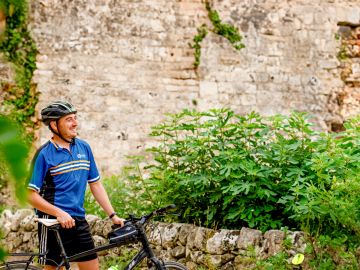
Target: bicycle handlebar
[(145, 218)]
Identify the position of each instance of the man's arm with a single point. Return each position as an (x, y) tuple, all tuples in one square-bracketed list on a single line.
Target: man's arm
[(99, 192), (41, 204)]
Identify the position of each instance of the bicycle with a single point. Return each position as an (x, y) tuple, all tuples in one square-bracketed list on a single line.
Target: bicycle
[(132, 232)]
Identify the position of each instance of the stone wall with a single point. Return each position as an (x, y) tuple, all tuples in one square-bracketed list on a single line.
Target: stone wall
[(126, 63), (193, 246)]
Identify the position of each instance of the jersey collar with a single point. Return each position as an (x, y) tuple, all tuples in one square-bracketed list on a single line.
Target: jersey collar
[(58, 147)]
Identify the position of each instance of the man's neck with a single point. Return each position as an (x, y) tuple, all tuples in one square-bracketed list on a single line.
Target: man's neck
[(61, 142)]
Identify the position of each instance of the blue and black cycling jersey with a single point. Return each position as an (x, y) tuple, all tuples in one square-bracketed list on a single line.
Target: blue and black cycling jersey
[(60, 176)]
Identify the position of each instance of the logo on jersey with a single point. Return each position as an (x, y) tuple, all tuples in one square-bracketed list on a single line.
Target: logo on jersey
[(81, 155)]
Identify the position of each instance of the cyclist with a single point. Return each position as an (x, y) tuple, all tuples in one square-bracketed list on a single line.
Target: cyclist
[(61, 169)]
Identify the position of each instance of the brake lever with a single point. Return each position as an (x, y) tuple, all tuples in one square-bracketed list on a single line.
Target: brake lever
[(115, 226)]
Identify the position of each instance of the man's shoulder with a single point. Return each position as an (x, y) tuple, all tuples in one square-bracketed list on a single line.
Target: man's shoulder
[(42, 151), (44, 148)]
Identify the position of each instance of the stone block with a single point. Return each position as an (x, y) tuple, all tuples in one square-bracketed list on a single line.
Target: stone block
[(170, 235), (184, 232), (208, 89), (248, 100), (178, 252), (249, 238), (273, 241), (198, 238), (222, 242)]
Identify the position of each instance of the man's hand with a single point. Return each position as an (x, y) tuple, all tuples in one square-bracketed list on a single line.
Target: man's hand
[(66, 221), (116, 220)]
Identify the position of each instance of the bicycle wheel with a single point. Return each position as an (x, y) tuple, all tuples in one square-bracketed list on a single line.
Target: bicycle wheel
[(172, 266), (20, 266)]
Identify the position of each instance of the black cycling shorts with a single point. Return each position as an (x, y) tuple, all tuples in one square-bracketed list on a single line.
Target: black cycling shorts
[(75, 240)]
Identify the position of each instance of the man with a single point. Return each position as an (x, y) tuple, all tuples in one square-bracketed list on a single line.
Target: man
[(61, 169)]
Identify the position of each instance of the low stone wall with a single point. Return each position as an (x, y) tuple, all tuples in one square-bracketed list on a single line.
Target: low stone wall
[(191, 245)]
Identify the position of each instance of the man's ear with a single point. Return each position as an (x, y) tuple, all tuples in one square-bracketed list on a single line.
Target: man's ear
[(53, 125)]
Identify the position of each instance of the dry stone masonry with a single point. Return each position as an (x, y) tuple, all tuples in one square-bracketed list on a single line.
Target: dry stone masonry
[(126, 63), (191, 245), (348, 99)]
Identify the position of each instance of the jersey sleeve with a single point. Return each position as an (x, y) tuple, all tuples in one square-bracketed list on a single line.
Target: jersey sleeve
[(93, 172), (38, 172)]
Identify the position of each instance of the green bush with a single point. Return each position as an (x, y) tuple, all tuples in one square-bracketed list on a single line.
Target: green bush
[(18, 47), (129, 193), (226, 170)]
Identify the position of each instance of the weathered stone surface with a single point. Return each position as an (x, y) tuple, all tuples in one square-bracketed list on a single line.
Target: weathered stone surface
[(184, 232), (249, 237), (18, 217), (166, 254), (273, 240), (191, 265), (228, 266), (213, 261), (170, 235), (178, 252), (125, 64), (5, 221), (298, 241), (203, 246), (222, 242), (198, 238), (155, 236), (99, 240), (242, 262), (92, 219)]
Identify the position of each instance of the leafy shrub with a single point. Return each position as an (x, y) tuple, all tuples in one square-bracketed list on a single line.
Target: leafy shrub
[(129, 193), (18, 47), (226, 170)]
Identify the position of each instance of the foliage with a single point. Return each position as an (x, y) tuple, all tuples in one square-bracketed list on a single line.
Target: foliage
[(118, 262), (228, 31), (276, 262), (20, 49), (223, 29), (225, 170), (343, 53), (129, 193), (202, 32), (333, 253), (13, 157)]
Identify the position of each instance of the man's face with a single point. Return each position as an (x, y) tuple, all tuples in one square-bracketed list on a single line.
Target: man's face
[(68, 126)]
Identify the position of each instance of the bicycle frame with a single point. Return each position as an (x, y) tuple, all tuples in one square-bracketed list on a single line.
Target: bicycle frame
[(25, 262), (145, 252)]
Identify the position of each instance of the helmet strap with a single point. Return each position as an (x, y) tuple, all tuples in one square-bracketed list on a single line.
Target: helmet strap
[(59, 133)]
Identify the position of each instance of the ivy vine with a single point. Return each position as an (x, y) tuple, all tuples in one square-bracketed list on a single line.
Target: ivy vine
[(230, 32), (202, 32), (19, 48)]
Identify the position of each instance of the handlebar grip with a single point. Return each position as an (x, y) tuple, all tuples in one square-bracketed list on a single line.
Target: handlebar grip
[(115, 226), (165, 209)]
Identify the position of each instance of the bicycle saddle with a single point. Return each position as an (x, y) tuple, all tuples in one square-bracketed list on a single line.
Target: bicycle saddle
[(47, 222)]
